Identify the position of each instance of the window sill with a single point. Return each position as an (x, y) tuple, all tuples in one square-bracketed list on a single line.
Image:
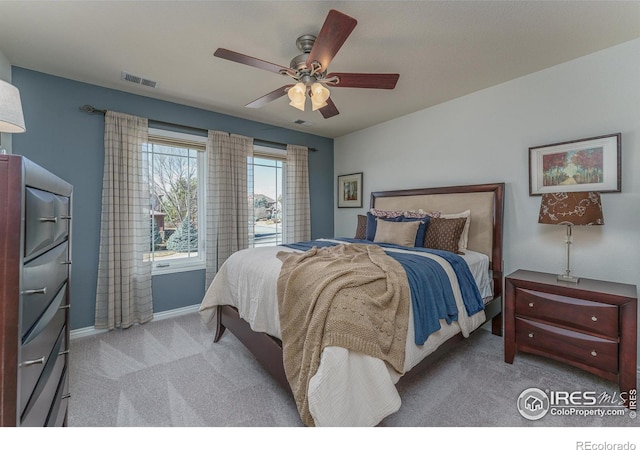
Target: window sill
[(175, 268)]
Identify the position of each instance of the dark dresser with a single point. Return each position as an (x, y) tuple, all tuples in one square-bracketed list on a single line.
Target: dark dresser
[(35, 268)]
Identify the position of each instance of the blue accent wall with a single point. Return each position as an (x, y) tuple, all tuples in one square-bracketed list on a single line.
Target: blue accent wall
[(69, 143)]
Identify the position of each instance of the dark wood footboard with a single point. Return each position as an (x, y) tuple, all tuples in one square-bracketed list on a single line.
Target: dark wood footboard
[(268, 350)]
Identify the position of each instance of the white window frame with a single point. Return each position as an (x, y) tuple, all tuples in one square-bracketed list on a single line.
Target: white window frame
[(199, 262), (276, 153)]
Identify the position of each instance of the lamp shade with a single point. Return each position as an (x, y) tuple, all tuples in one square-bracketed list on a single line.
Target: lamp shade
[(297, 96), (11, 118), (319, 96), (571, 208)]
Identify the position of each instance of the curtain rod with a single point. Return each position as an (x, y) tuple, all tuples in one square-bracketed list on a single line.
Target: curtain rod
[(91, 110)]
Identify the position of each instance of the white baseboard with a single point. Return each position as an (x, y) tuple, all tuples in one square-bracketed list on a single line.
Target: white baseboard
[(91, 331)]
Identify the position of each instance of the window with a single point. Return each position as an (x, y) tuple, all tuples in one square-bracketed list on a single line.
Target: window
[(266, 196), (176, 165)]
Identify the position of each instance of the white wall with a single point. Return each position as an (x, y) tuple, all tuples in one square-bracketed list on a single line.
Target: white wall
[(485, 136)]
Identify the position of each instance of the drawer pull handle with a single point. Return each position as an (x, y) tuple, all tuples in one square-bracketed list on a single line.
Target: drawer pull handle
[(65, 262), (49, 219), (65, 307), (531, 335), (65, 396), (594, 318), (65, 352), (531, 305), (594, 353), (34, 361), (35, 291), (65, 217)]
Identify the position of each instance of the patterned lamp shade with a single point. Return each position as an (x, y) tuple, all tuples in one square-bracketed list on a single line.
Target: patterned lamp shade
[(571, 208)]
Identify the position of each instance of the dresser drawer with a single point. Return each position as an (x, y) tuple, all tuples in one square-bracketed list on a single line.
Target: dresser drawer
[(38, 407), (37, 347), (59, 407), (47, 221), (599, 318), (568, 345), (41, 279)]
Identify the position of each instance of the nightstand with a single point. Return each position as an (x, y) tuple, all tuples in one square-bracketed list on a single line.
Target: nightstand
[(591, 324)]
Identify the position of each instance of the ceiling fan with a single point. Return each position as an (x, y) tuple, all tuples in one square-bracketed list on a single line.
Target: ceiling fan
[(309, 69)]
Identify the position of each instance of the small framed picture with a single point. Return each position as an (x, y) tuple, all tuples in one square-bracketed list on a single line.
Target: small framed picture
[(591, 164), (350, 190)]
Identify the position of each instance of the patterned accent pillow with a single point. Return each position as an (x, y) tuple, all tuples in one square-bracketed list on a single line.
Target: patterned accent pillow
[(444, 234), (411, 214), (385, 214), (464, 238), (361, 228), (429, 213)]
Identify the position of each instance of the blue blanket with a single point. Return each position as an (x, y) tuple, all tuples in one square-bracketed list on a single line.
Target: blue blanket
[(431, 293)]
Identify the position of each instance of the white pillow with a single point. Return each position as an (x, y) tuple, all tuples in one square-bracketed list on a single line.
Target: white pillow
[(464, 238), (399, 233)]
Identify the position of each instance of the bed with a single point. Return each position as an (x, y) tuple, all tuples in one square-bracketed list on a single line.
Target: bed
[(350, 388)]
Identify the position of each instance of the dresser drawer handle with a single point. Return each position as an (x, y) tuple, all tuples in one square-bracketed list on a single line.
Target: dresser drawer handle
[(65, 396), (35, 291), (65, 217), (65, 307), (49, 219), (531, 305), (68, 262), (594, 318), (531, 335), (34, 362), (65, 352), (594, 353)]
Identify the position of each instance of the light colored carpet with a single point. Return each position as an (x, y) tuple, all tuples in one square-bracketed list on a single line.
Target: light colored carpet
[(170, 373)]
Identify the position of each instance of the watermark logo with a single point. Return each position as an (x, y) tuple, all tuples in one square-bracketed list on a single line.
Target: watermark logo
[(533, 404)]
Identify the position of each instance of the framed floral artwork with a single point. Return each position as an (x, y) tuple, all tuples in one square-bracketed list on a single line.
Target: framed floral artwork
[(591, 164)]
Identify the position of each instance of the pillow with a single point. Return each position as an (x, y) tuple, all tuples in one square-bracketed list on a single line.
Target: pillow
[(372, 224), (464, 238), (444, 234), (361, 228), (384, 213), (420, 214), (399, 233), (422, 228)]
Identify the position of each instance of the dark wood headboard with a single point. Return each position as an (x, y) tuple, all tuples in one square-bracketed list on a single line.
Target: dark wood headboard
[(486, 202)]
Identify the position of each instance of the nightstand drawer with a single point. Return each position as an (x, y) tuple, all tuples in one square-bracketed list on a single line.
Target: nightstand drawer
[(599, 318), (568, 345)]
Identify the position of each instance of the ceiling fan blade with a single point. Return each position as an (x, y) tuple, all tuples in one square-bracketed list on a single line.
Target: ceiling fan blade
[(271, 96), (365, 80), (336, 29), (248, 60), (330, 110)]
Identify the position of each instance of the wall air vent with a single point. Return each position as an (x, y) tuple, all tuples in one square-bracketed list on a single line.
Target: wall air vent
[(305, 123), (137, 79)]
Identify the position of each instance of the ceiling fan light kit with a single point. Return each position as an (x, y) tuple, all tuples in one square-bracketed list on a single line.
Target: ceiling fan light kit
[(309, 70)]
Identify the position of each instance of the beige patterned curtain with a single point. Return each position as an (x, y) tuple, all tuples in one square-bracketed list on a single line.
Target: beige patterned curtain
[(297, 206), (123, 295), (227, 212)]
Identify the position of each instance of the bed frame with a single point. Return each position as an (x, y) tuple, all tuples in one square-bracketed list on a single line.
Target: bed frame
[(486, 202)]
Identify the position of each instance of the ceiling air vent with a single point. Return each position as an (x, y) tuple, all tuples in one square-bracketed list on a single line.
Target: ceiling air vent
[(137, 79), (305, 123)]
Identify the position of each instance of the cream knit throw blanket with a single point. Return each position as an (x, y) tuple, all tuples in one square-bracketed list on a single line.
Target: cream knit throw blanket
[(350, 295)]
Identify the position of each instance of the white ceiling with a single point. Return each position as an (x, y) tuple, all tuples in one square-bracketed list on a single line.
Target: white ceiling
[(441, 49)]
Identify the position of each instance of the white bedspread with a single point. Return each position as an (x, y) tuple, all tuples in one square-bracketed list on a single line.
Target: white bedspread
[(349, 388)]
